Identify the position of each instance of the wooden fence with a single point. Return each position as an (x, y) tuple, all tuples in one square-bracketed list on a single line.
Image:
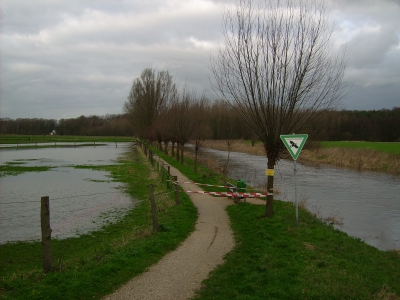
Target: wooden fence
[(159, 165)]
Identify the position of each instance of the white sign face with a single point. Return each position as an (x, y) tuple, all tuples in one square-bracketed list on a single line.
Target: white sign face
[(294, 143)]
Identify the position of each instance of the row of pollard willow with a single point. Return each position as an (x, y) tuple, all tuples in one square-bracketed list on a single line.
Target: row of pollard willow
[(165, 176), (45, 206)]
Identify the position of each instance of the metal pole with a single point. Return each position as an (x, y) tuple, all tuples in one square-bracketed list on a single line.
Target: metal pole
[(295, 194)]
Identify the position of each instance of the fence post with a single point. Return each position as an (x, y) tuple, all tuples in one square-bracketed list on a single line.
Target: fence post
[(168, 176), (153, 209), (46, 233), (178, 202), (162, 171)]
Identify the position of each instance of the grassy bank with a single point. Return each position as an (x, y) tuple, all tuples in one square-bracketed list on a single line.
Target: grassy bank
[(390, 148), (93, 265), (274, 259), (360, 156)]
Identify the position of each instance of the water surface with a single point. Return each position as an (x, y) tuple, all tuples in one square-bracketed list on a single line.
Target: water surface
[(81, 200)]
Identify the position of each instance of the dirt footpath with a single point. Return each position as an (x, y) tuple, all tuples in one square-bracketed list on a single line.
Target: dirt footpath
[(179, 273)]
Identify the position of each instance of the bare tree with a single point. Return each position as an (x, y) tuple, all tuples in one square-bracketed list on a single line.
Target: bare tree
[(150, 94), (277, 66), (201, 130), (182, 121)]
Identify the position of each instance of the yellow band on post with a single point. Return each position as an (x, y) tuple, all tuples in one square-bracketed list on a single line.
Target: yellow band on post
[(269, 172)]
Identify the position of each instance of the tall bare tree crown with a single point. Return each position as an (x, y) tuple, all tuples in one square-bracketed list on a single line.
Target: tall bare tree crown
[(277, 69), (277, 64)]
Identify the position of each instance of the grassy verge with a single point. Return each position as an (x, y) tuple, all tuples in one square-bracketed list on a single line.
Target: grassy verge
[(93, 265), (274, 259), (390, 148)]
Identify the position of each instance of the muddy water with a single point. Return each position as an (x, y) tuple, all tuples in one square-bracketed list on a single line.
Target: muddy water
[(366, 203), (81, 200)]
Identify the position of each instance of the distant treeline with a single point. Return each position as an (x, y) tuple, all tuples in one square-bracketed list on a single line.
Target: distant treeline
[(109, 125), (377, 125)]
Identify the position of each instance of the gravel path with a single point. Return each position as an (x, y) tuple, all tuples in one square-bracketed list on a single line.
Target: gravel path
[(179, 273)]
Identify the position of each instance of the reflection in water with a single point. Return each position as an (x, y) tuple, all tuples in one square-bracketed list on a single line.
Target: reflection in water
[(367, 203), (81, 200)]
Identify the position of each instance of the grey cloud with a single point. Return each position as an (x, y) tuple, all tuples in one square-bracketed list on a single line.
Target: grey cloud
[(67, 58), (371, 47)]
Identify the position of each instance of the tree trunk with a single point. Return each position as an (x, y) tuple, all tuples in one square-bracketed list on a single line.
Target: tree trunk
[(177, 151), (166, 142), (196, 152), (269, 206), (182, 157)]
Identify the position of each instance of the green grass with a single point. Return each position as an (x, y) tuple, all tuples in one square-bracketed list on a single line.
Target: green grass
[(95, 264), (16, 168), (391, 148), (274, 259)]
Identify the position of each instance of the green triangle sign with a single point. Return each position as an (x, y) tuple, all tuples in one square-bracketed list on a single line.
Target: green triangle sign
[(294, 143)]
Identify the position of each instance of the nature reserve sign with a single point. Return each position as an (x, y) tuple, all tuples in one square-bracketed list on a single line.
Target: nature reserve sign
[(294, 143)]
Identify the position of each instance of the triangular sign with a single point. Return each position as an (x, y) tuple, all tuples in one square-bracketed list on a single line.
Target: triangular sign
[(294, 143)]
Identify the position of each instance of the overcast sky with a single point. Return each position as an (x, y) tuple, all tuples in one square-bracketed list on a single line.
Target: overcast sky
[(67, 58)]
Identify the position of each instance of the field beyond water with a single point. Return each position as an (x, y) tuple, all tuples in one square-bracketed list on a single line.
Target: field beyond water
[(361, 156), (273, 259), (33, 139)]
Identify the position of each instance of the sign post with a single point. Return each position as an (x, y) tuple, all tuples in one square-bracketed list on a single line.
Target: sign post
[(294, 143)]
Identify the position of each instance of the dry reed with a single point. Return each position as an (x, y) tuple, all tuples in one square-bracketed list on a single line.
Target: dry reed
[(356, 159)]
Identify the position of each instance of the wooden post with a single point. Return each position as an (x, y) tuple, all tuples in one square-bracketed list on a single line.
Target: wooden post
[(46, 233), (168, 175), (153, 209), (177, 201), (162, 171)]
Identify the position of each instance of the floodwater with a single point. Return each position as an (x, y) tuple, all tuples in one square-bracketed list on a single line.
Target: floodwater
[(367, 204), (81, 200)]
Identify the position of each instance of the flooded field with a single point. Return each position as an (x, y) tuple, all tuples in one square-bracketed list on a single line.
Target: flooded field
[(81, 200)]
